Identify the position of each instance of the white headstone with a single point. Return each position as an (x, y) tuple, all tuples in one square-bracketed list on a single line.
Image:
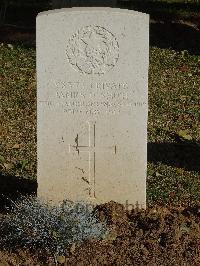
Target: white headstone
[(92, 72)]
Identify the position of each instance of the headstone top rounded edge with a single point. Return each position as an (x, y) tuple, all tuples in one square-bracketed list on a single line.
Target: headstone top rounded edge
[(92, 9)]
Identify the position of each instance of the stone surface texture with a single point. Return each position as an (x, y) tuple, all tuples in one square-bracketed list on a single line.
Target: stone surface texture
[(92, 74)]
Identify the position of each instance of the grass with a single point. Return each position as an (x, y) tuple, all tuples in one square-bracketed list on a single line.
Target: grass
[(174, 98), (18, 122), (174, 81), (173, 94)]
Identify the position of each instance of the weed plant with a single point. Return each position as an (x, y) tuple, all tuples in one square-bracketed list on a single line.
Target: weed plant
[(35, 224)]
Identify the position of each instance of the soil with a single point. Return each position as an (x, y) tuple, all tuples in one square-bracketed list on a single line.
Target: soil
[(157, 236)]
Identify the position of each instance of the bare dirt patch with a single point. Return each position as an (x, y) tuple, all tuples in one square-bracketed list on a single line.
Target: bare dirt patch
[(157, 236)]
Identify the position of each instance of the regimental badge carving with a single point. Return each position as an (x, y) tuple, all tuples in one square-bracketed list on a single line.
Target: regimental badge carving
[(93, 50)]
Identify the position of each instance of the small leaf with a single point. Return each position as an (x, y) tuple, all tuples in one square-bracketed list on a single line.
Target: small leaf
[(180, 171), (158, 174), (184, 228), (24, 163), (111, 236), (72, 248), (150, 172), (184, 53), (184, 135), (183, 97), (60, 259), (10, 46), (16, 146), (8, 166), (2, 159)]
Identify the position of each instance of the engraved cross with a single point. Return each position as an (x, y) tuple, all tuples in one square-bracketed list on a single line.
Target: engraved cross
[(91, 149)]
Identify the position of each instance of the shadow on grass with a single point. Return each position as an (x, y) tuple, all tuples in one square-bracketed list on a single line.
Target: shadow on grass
[(173, 25), (178, 36), (163, 9), (165, 30), (163, 34), (180, 155), (18, 35), (12, 187)]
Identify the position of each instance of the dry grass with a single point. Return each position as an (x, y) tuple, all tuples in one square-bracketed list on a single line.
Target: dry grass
[(173, 128)]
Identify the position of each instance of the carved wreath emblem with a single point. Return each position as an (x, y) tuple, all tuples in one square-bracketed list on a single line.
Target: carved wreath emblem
[(93, 50)]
